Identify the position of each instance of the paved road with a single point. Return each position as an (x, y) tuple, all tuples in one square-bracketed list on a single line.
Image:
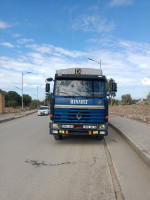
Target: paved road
[(132, 172), (35, 166)]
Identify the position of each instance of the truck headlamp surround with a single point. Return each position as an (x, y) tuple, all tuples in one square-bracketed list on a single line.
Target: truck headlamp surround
[(102, 126), (55, 125)]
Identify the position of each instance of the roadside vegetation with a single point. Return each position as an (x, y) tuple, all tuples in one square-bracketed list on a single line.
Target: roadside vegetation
[(138, 109), (128, 100), (14, 100), (130, 108)]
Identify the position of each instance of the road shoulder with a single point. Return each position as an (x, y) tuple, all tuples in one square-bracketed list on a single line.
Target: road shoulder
[(137, 134)]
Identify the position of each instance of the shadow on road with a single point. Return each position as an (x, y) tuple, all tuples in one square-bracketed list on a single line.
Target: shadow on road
[(83, 140)]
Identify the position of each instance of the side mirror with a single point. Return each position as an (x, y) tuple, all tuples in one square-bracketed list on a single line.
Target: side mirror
[(49, 79), (47, 89), (114, 87)]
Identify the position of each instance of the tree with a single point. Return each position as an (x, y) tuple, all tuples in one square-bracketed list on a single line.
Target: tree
[(148, 97), (27, 99), (126, 99), (113, 102), (12, 103), (48, 97), (12, 98), (110, 93), (33, 104), (3, 92)]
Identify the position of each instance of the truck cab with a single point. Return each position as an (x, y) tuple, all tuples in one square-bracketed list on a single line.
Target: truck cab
[(79, 105)]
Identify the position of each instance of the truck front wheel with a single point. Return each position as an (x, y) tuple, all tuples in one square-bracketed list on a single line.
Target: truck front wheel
[(99, 137), (58, 137)]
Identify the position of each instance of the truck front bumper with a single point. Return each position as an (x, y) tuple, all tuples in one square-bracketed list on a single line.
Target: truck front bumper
[(78, 129)]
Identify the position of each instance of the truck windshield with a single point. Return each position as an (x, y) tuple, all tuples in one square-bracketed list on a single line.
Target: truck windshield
[(84, 88)]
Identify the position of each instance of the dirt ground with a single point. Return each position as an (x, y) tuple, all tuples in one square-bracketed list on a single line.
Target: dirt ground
[(137, 112), (15, 110)]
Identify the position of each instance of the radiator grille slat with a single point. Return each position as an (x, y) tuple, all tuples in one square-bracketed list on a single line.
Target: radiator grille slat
[(87, 115)]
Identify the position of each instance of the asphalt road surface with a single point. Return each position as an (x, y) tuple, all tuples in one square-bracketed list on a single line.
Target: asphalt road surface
[(35, 166)]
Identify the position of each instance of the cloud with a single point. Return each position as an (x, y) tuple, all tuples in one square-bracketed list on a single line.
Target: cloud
[(138, 54), (121, 2), (135, 46), (93, 24), (124, 63), (35, 78), (7, 44), (4, 25), (43, 49), (16, 35), (55, 51), (145, 81), (14, 64), (24, 40), (127, 62)]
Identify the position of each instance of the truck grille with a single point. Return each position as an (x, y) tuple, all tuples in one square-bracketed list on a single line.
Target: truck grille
[(79, 115), (74, 115)]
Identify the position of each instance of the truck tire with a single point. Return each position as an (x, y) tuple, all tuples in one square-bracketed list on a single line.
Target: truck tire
[(58, 137), (99, 137)]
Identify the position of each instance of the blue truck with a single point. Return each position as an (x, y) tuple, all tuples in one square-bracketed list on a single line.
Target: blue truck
[(79, 104)]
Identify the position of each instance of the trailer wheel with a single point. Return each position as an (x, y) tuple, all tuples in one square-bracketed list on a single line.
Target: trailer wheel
[(99, 137), (58, 137)]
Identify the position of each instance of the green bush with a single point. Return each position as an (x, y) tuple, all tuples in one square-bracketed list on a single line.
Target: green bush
[(33, 104), (126, 99), (113, 102), (12, 99), (27, 99), (12, 103), (147, 102), (148, 97)]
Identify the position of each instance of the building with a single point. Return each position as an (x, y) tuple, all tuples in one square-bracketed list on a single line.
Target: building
[(2, 104)]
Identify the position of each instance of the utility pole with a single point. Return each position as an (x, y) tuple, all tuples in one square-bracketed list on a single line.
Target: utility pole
[(22, 91), (96, 62), (22, 88), (38, 95), (37, 98)]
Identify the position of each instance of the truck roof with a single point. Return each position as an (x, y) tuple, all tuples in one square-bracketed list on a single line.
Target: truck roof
[(83, 71)]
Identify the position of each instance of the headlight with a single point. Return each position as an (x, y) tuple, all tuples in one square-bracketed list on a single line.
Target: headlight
[(102, 132), (55, 125), (102, 126)]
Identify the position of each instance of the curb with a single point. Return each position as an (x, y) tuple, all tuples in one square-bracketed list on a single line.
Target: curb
[(6, 120), (12, 118), (30, 113), (138, 148)]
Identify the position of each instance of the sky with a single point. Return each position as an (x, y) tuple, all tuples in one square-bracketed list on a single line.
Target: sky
[(41, 36)]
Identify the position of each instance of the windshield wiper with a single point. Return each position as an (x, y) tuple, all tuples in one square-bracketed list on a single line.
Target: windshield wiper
[(73, 93), (92, 95), (64, 93), (82, 95), (70, 95), (77, 94)]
